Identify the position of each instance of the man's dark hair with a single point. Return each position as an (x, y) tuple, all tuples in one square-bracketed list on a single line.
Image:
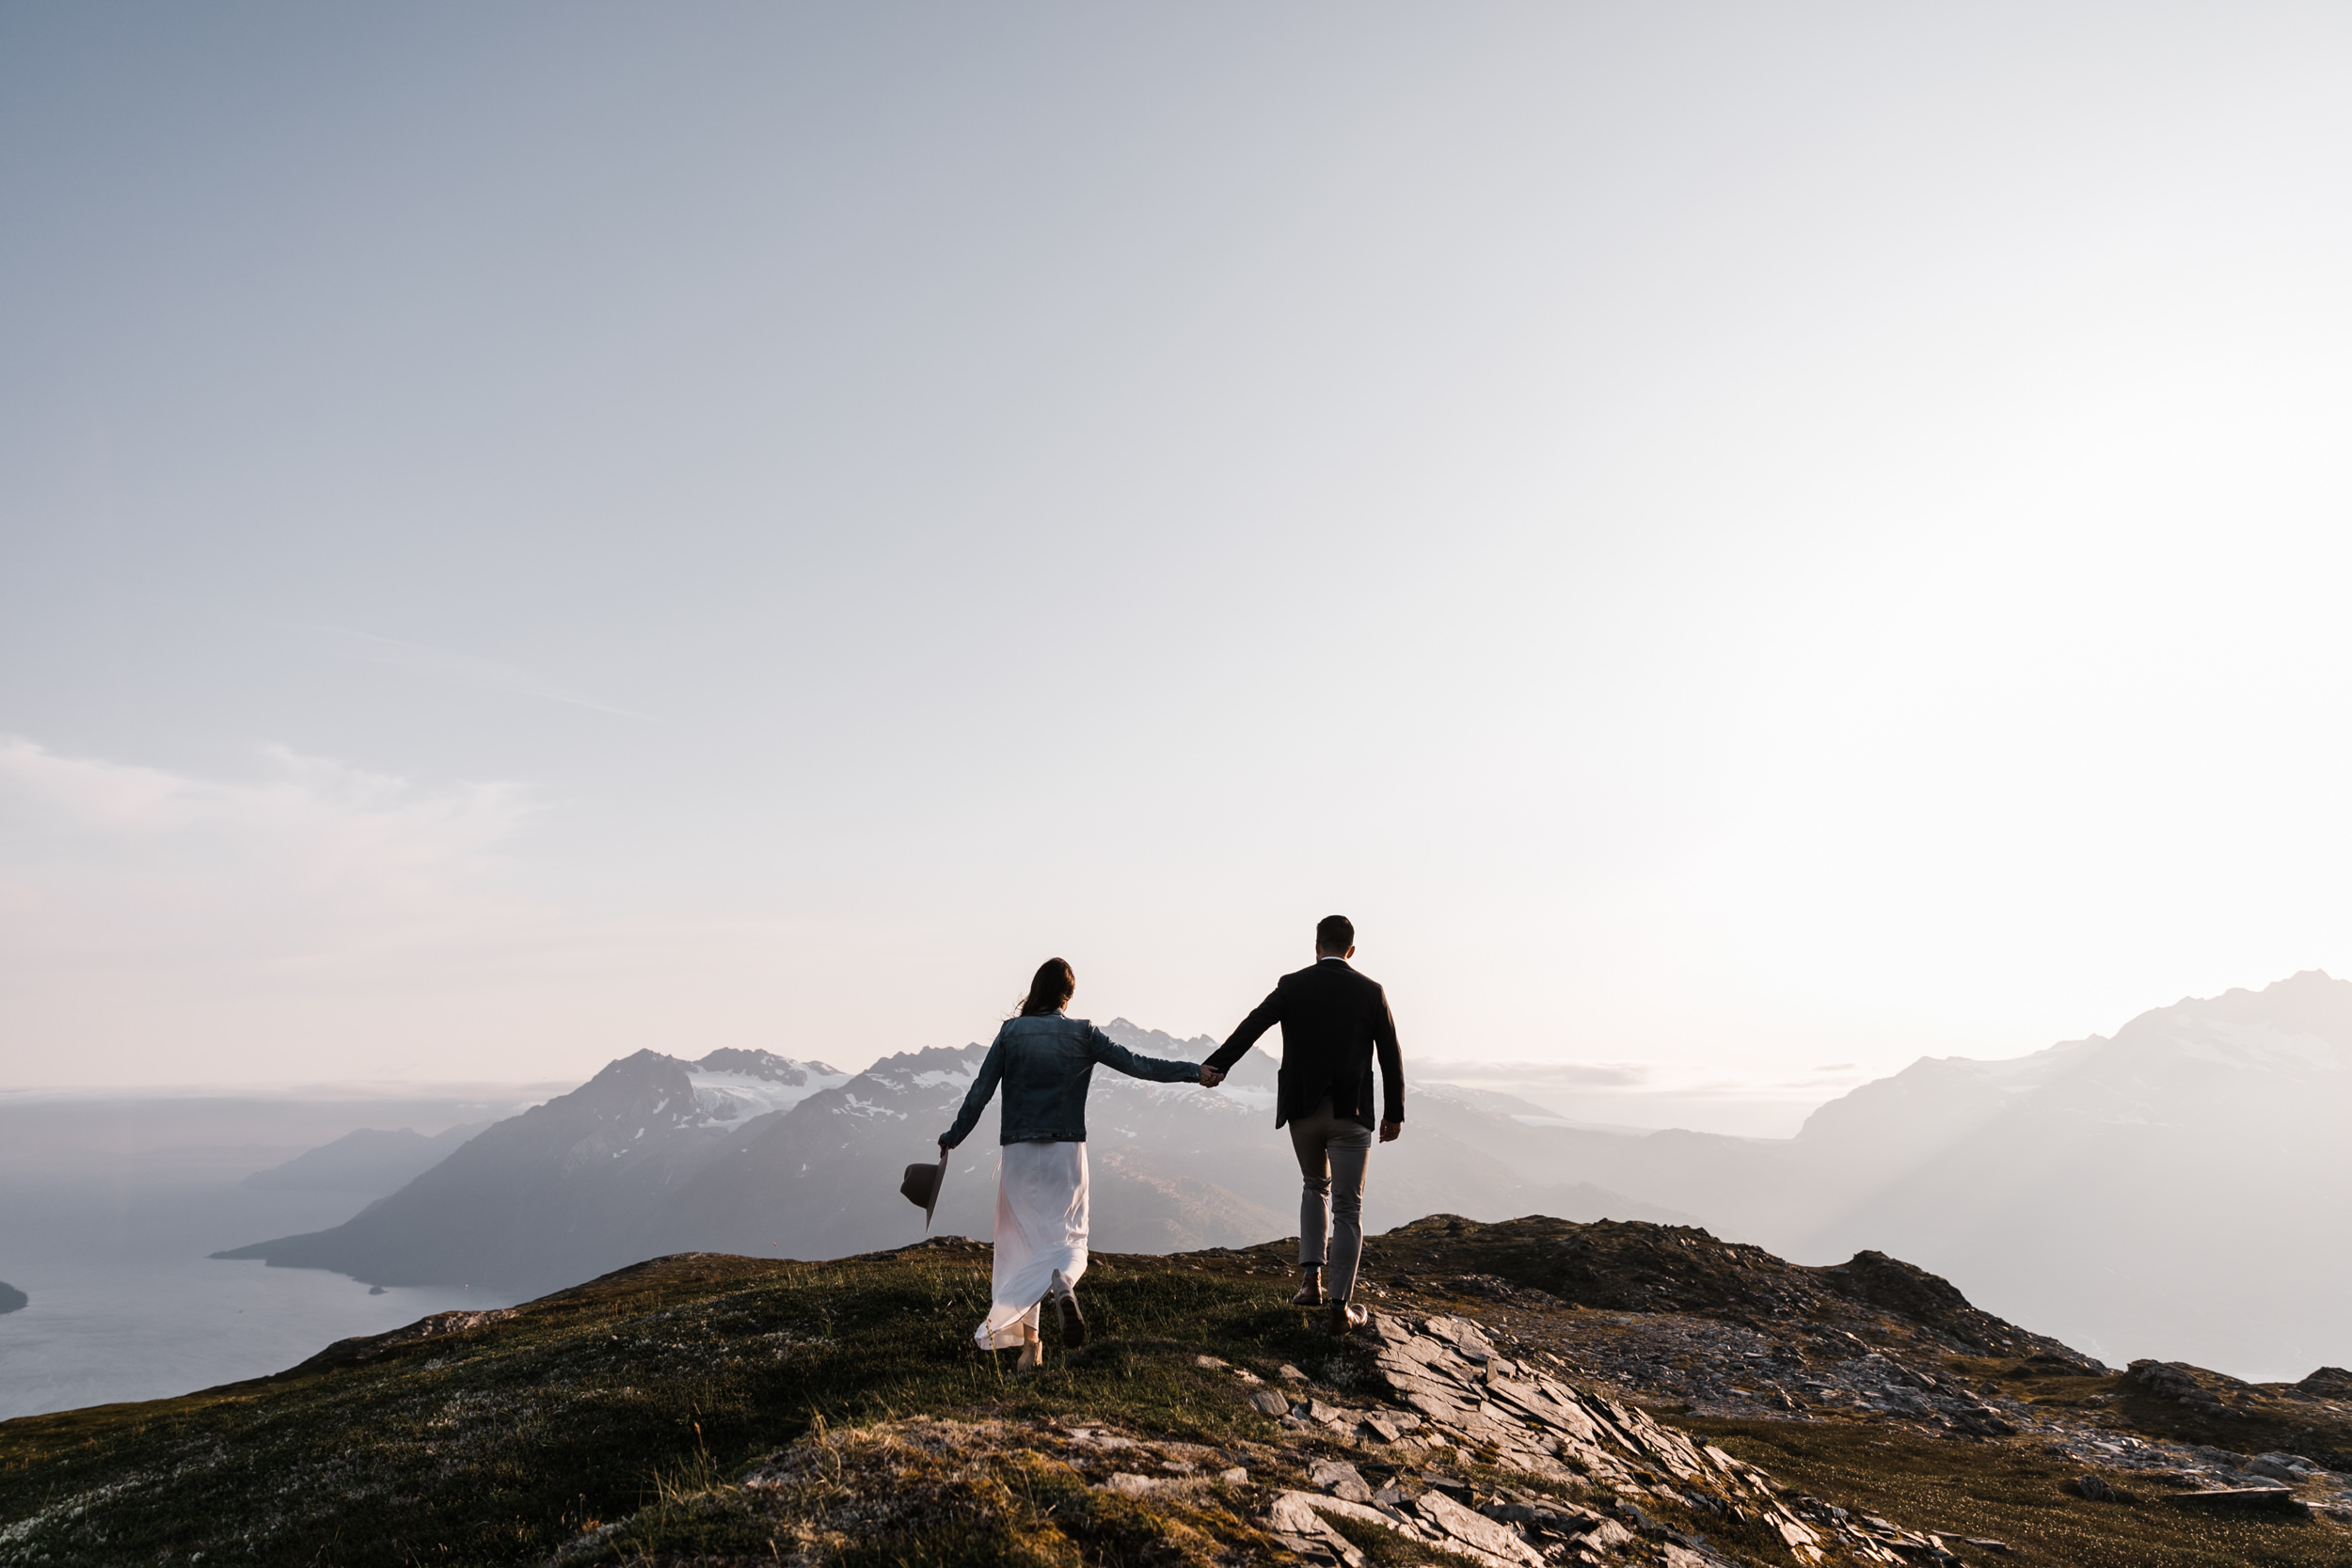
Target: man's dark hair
[(1334, 933), (1051, 990)]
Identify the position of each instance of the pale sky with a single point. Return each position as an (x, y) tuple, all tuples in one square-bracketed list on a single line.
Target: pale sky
[(1743, 544)]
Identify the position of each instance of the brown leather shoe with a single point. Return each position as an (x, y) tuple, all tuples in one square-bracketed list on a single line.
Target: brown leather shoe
[(1346, 1317), (1310, 1293)]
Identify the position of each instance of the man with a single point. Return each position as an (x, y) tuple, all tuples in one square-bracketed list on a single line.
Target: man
[(1333, 1020)]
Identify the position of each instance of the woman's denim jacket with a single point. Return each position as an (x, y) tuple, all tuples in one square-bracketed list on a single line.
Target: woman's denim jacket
[(1047, 1064)]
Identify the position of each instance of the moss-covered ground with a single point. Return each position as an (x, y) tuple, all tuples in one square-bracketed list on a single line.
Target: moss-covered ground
[(619, 1422), (500, 1445)]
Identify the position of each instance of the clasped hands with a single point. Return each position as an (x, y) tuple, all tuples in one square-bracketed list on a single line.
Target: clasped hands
[(1211, 1076)]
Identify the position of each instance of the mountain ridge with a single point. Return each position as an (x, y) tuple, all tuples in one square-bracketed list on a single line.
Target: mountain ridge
[(2164, 1187), (2065, 1183), (656, 1155), (365, 1160)]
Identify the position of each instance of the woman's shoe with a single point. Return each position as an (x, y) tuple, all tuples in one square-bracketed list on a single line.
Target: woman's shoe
[(1347, 1316), (1310, 1293), (1073, 1323)]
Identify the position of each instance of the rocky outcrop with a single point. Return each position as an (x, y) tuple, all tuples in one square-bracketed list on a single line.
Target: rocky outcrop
[(2193, 1386), (1932, 1302), (1641, 1267), (1438, 1410), (2330, 1383), (12, 1299)]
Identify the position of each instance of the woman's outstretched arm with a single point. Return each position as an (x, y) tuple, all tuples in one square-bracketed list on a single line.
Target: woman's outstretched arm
[(992, 1069), (1159, 1069)]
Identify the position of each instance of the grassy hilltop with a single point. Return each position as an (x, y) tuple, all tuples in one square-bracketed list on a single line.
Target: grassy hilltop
[(617, 1423)]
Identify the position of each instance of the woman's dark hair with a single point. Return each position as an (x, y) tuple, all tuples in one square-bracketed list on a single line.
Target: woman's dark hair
[(1054, 987)]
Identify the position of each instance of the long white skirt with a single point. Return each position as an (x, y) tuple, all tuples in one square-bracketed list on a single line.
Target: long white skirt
[(1041, 1232)]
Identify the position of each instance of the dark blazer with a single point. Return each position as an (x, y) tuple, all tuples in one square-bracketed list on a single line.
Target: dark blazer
[(1333, 1020)]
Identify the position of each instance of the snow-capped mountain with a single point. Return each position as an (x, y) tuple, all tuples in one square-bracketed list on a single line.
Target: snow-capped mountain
[(563, 1185), (2175, 1189), (733, 1086), (743, 1151)]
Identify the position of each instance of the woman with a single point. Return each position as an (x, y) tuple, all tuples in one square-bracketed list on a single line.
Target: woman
[(1045, 1059)]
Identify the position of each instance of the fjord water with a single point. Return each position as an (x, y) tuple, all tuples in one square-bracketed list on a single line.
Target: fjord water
[(110, 1207), (101, 1331)]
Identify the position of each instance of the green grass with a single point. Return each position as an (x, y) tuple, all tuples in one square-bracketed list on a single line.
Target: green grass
[(886, 1497), (496, 1446)]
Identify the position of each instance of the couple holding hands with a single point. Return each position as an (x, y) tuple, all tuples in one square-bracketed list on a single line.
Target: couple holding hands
[(1334, 1022)]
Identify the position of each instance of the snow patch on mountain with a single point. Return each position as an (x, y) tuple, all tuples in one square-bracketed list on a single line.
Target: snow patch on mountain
[(730, 1098)]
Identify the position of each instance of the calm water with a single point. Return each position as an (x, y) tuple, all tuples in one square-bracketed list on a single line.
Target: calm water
[(126, 1306), (100, 1331)]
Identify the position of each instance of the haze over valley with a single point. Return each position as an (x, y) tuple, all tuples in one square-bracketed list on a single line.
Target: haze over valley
[(2155, 1136), (2159, 1133), (113, 1201)]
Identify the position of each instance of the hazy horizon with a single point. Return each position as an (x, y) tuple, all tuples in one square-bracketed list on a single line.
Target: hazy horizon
[(1631, 1097), (1628, 1096), (140, 1223), (1743, 547)]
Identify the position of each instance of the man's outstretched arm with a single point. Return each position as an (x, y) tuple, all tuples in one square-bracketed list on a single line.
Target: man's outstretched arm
[(1264, 1017)]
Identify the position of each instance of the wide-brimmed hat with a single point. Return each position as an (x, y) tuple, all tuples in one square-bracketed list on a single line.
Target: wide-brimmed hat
[(921, 1186)]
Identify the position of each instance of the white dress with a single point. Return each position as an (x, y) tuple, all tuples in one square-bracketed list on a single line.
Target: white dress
[(1041, 1232)]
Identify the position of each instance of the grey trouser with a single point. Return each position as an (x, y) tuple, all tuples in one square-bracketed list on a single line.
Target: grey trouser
[(1331, 1156)]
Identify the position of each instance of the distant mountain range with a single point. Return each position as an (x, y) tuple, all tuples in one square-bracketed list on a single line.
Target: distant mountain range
[(750, 1152), (2187, 1182), (2182, 1185), (366, 1160), (2179, 1187)]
